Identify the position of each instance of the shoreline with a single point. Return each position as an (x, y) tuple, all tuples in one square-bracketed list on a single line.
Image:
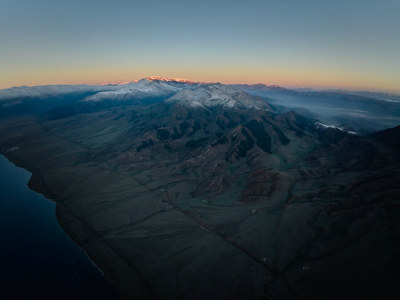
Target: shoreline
[(37, 184)]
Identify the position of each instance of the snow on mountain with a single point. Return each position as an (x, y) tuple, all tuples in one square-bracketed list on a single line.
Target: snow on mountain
[(166, 79), (325, 126), (183, 91), (143, 87), (217, 95), (140, 89)]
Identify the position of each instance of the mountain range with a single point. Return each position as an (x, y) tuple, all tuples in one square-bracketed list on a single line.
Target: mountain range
[(364, 112), (187, 190)]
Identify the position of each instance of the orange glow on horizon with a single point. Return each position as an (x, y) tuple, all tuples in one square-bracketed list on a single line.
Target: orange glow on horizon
[(272, 76)]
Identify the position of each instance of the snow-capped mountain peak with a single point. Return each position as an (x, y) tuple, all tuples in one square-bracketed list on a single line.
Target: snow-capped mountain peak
[(217, 95), (140, 89), (166, 79)]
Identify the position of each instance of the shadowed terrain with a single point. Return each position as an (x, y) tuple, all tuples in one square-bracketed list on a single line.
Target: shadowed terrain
[(178, 202)]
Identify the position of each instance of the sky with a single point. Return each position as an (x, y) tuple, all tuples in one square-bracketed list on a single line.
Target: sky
[(352, 44)]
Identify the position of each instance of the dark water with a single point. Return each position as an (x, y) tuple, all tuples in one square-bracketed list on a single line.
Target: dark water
[(37, 259)]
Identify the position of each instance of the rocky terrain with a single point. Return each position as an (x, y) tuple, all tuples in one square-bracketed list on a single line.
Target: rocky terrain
[(217, 194)]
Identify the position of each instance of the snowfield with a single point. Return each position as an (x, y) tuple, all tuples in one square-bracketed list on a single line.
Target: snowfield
[(217, 95)]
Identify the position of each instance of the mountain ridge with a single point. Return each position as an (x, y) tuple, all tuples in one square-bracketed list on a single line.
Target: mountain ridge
[(359, 113), (217, 95), (162, 195)]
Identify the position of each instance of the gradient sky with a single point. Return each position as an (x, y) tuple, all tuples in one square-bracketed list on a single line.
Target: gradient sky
[(312, 43)]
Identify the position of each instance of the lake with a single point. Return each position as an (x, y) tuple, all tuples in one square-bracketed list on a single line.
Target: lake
[(37, 258)]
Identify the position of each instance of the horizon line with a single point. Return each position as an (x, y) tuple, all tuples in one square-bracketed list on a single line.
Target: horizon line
[(185, 80)]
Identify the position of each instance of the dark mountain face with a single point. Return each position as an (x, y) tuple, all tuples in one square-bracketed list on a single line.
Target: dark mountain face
[(210, 142), (175, 201), (390, 138)]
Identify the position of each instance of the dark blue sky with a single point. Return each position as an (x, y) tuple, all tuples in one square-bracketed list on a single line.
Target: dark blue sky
[(351, 44)]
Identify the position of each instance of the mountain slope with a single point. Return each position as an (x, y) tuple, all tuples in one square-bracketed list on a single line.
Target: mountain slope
[(217, 95), (360, 113), (144, 88), (169, 198), (170, 195), (389, 137)]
